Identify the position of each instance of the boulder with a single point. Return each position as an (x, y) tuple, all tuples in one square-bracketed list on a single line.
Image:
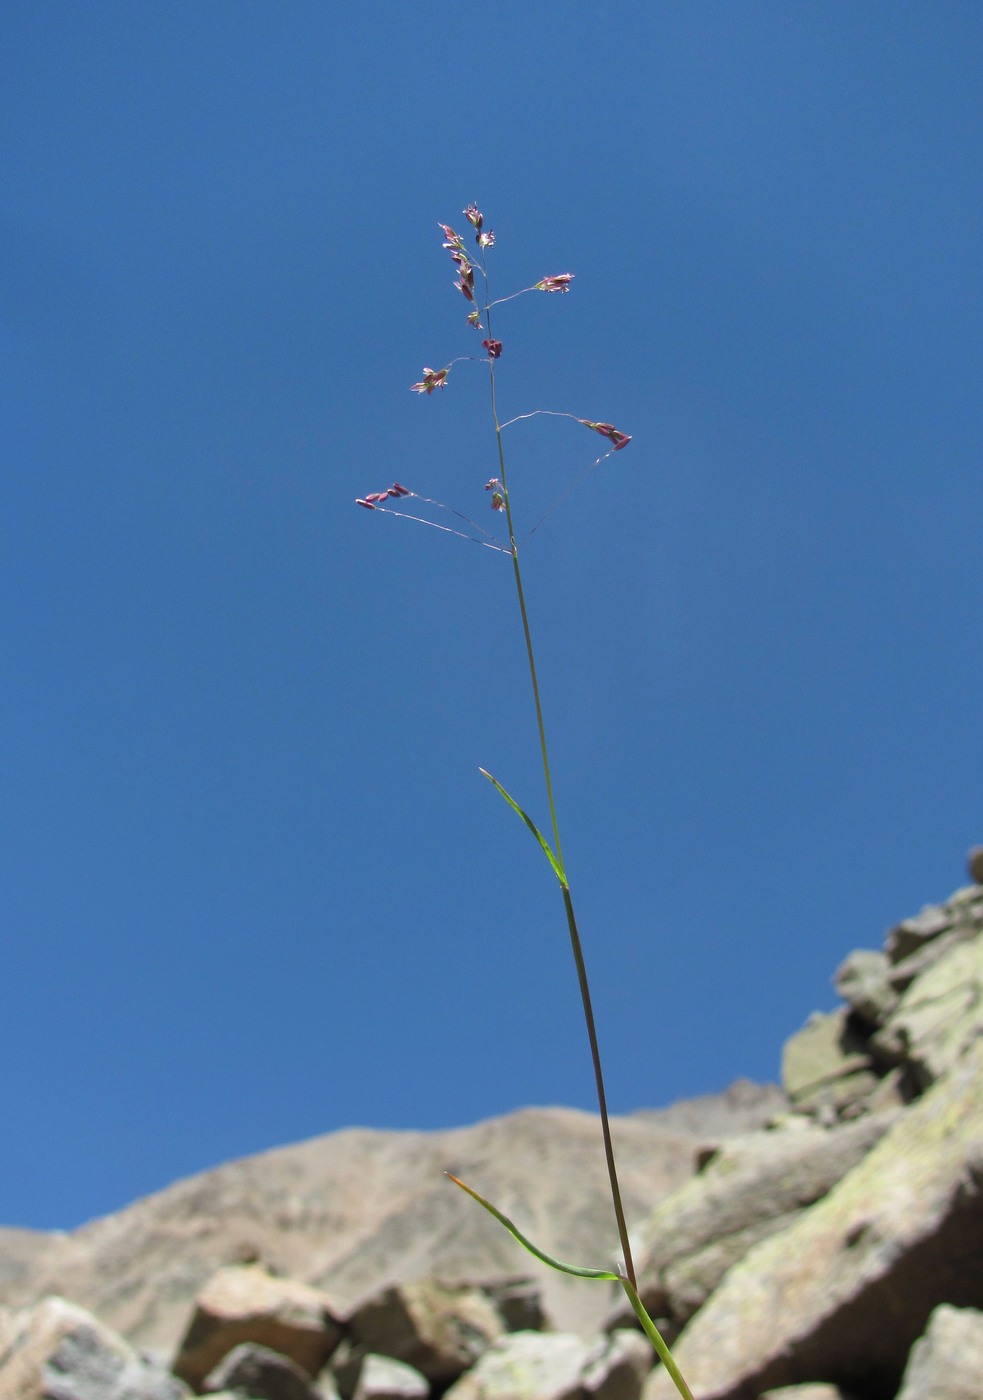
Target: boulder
[(58, 1351), (843, 1293), (908, 936), (753, 1187), (827, 1066), (261, 1374), (518, 1302), (439, 1328), (939, 1015), (817, 1390), (383, 1378), (947, 1362), (527, 1366), (244, 1303), (616, 1366), (863, 981)]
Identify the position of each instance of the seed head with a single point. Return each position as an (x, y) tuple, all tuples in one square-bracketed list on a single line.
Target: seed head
[(559, 283), (432, 379), (454, 240), (474, 217), (369, 500), (494, 348), (619, 440)]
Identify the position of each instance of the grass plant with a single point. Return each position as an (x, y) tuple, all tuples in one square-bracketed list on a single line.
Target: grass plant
[(472, 282)]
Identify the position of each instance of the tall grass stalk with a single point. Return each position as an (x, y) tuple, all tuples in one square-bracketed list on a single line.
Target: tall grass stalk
[(501, 501)]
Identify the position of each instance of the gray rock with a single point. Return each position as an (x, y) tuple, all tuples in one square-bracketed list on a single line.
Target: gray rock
[(939, 1016), (827, 1065), (974, 864), (382, 1378), (863, 982), (814, 1390), (527, 1366), (259, 1373), (519, 1303), (947, 1362), (244, 1303), (911, 933), (846, 1290), (742, 1108), (902, 974), (26, 1255), (753, 1188), (440, 1329), (616, 1366), (57, 1351)]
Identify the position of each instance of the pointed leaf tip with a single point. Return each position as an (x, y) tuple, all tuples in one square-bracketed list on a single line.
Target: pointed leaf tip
[(558, 870)]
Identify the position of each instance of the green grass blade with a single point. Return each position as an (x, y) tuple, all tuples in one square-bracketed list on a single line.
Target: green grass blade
[(608, 1275), (520, 1238), (558, 870)]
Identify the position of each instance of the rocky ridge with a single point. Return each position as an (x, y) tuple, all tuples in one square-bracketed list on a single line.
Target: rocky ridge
[(824, 1244)]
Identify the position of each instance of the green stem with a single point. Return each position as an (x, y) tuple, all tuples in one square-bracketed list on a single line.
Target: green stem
[(578, 953), (578, 957), (655, 1337), (514, 550)]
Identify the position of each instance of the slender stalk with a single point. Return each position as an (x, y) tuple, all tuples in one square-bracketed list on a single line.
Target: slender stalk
[(657, 1340), (575, 943)]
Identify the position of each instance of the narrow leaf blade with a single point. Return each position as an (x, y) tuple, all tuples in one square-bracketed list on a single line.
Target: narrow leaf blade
[(558, 870), (520, 1238)]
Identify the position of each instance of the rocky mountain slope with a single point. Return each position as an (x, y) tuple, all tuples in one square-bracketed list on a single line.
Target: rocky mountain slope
[(356, 1209), (820, 1243)]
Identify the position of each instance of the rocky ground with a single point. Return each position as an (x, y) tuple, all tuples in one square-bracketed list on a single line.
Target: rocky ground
[(822, 1242)]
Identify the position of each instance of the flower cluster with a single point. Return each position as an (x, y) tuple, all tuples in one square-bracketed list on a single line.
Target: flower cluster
[(620, 440), (494, 348), (395, 490), (432, 379)]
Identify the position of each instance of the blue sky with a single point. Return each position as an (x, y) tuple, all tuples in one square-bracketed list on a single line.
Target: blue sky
[(253, 887)]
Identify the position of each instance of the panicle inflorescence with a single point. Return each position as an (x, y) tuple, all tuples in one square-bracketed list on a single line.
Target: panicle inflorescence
[(432, 379)]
